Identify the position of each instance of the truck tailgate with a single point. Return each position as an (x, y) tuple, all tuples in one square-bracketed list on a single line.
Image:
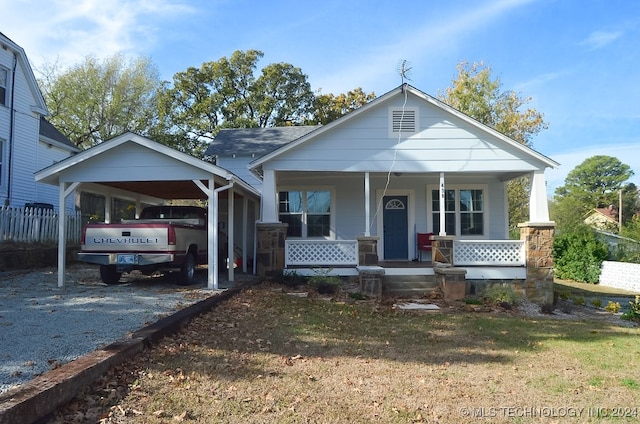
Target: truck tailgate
[(126, 237)]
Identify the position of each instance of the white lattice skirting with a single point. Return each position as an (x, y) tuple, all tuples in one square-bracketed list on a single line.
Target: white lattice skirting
[(620, 275), (322, 252), (490, 252)]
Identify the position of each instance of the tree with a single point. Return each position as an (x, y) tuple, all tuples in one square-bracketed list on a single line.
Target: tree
[(96, 100), (227, 94), (475, 93), (329, 107), (597, 182)]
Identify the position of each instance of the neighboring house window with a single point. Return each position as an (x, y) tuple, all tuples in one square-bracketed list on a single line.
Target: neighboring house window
[(464, 211), (4, 84), (308, 212), (403, 121)]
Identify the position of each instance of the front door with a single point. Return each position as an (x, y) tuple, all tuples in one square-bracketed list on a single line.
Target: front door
[(395, 220)]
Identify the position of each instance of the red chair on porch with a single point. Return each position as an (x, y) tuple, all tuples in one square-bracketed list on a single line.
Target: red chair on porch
[(424, 243)]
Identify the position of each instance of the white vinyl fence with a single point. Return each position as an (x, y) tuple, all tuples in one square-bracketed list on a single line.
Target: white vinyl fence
[(36, 225), (621, 275)]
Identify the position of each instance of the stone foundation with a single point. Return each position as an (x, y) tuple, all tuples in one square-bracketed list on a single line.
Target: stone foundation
[(368, 250), (370, 280), (270, 248)]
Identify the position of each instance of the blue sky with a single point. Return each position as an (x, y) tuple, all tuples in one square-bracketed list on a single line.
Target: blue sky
[(578, 60)]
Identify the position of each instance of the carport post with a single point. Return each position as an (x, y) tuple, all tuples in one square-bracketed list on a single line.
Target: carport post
[(213, 232), (62, 233)]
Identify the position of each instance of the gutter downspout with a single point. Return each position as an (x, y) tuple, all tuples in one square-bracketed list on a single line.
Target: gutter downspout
[(12, 114)]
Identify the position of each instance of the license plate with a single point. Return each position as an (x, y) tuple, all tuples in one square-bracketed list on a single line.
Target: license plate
[(126, 259)]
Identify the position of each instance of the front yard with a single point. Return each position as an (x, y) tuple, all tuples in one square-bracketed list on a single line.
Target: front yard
[(266, 356)]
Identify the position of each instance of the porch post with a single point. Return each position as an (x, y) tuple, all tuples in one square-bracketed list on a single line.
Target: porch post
[(269, 196), (367, 206), (538, 205), (538, 244), (230, 233), (443, 231)]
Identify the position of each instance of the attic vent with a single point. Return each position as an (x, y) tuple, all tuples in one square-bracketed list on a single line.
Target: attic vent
[(403, 121)]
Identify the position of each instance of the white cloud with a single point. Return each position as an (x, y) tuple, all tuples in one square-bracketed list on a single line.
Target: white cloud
[(599, 39)]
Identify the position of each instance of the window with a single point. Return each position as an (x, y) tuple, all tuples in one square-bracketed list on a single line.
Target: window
[(464, 211), (4, 83), (308, 213), (403, 121)]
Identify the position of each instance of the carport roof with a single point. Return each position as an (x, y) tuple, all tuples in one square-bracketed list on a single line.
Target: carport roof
[(137, 164)]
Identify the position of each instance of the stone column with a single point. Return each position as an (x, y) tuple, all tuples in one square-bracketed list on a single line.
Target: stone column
[(270, 248), (442, 248), (538, 242), (452, 282), (368, 250)]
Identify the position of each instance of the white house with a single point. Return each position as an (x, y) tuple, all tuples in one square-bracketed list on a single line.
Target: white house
[(402, 164), (28, 142)]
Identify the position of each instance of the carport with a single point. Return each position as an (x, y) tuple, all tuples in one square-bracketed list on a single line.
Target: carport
[(146, 171)]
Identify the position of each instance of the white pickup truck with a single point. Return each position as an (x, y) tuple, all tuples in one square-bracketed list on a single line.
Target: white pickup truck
[(163, 237)]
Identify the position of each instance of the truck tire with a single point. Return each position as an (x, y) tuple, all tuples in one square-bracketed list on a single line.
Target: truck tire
[(109, 274), (188, 270)]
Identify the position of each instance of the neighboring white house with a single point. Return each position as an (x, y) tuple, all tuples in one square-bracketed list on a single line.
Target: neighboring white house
[(28, 142)]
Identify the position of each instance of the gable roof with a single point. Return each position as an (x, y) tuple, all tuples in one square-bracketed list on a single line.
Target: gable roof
[(402, 91), (161, 171), (254, 141), (21, 58), (50, 134)]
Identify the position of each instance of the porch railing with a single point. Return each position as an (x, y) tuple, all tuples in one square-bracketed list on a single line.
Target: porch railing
[(489, 252), (321, 252)]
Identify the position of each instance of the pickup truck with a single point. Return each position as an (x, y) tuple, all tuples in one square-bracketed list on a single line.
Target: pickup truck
[(164, 237)]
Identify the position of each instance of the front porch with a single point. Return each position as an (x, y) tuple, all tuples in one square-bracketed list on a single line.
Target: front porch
[(469, 265)]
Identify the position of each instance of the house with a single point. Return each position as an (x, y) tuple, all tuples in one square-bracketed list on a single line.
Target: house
[(351, 196), (28, 142), (605, 219)]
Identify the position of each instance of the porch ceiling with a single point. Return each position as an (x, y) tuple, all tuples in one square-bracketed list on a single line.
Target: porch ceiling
[(163, 189)]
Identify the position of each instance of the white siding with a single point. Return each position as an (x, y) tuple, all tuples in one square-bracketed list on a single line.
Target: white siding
[(443, 143), (239, 166)]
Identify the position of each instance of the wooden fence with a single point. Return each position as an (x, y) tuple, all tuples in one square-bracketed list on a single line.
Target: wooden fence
[(36, 225)]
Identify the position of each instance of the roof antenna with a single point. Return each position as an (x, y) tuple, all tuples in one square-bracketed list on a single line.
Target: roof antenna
[(404, 70)]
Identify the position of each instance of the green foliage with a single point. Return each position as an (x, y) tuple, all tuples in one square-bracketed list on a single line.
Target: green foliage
[(323, 282), (596, 303), (501, 293), (578, 256), (97, 100), (290, 279), (474, 92), (633, 314), (595, 183), (329, 107), (578, 300), (612, 307)]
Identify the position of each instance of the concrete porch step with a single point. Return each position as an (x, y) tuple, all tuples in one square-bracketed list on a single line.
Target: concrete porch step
[(408, 285)]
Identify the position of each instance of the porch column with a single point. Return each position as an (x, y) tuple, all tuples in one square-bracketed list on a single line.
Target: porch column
[(538, 205), (269, 197), (443, 230), (270, 248), (538, 242), (442, 249), (367, 205)]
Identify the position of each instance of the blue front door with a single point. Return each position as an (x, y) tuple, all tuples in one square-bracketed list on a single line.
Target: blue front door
[(395, 220)]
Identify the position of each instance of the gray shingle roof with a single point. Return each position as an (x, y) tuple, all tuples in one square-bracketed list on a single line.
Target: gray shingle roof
[(254, 141), (49, 131)]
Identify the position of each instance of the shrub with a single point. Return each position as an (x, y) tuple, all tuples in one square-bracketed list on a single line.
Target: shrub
[(578, 256), (323, 282), (500, 293), (596, 303), (633, 314), (613, 307), (578, 300)]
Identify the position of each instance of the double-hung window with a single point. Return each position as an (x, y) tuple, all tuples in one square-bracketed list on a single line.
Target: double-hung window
[(465, 211), (4, 85), (307, 212)]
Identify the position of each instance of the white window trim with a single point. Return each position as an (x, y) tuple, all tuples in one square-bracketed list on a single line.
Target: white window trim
[(396, 134), (457, 188), (332, 213), (7, 86)]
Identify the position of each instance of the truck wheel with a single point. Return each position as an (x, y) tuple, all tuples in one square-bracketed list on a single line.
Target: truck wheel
[(188, 270), (109, 274)]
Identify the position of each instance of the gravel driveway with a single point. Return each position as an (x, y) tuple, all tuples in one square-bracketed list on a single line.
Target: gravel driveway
[(43, 326)]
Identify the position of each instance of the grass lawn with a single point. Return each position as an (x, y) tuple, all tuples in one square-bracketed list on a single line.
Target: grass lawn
[(265, 356)]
